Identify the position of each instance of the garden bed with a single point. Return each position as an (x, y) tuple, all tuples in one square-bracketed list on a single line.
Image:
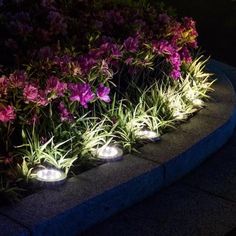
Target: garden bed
[(94, 83), (88, 82), (96, 194)]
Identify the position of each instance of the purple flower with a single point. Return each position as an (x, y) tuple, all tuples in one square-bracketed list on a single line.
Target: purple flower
[(175, 60), (63, 62), (185, 55), (175, 74), (81, 93), (86, 63), (162, 47), (111, 48), (102, 93), (115, 51), (65, 115), (131, 44), (129, 61), (169, 51)]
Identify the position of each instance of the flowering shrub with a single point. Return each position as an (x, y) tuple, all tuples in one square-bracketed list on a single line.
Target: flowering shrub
[(63, 60)]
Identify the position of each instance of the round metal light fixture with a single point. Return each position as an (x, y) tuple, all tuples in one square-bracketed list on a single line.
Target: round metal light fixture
[(110, 153), (50, 175), (180, 116), (197, 102), (148, 135)]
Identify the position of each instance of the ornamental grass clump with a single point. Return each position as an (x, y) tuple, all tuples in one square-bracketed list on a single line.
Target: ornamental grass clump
[(76, 76)]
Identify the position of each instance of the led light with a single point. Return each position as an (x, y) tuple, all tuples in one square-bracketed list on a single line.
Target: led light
[(50, 175), (197, 102), (148, 134), (110, 153), (180, 116)]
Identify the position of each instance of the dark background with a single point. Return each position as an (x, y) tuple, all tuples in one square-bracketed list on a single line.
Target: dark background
[(216, 24)]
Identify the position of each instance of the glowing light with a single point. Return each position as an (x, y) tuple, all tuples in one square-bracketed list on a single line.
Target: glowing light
[(50, 175), (179, 116), (197, 102), (109, 153), (148, 134)]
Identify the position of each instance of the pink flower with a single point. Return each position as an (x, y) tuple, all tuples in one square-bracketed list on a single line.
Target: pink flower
[(81, 93), (17, 79), (42, 98), (55, 88), (102, 93), (30, 93), (7, 114)]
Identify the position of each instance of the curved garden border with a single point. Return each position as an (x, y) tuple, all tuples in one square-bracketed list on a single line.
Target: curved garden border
[(102, 191)]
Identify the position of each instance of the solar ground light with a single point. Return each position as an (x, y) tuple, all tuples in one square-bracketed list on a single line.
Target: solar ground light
[(50, 176), (148, 135), (198, 102), (110, 153)]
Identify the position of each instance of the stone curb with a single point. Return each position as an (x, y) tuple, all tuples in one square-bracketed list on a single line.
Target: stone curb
[(96, 194)]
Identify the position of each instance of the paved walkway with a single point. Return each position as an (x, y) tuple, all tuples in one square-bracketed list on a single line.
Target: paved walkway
[(203, 203)]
